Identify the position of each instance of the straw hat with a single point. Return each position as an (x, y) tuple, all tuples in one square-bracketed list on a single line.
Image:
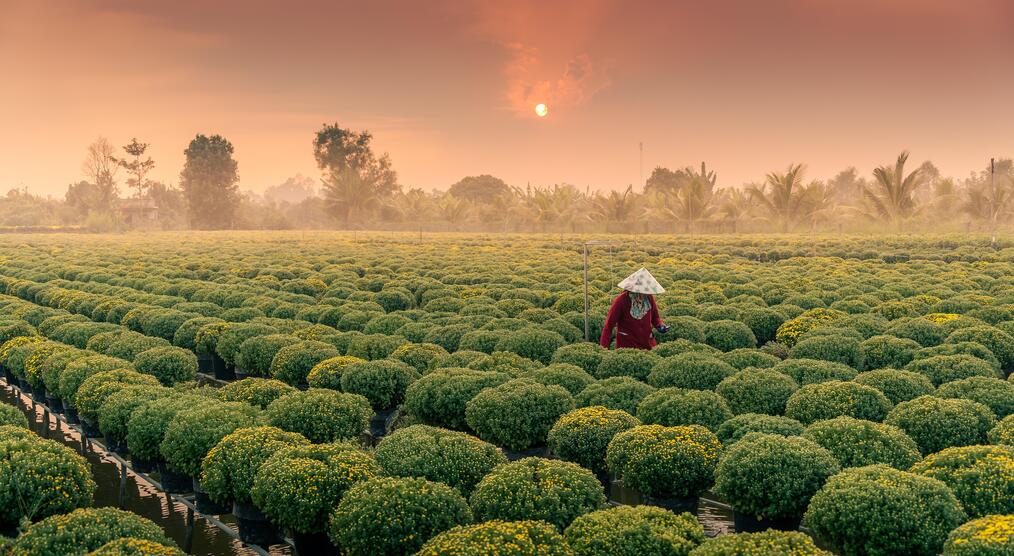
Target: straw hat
[(641, 282)]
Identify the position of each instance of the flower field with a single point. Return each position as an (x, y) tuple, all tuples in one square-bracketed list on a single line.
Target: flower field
[(396, 394)]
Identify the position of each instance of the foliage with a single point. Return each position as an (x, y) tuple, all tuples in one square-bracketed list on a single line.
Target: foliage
[(665, 462), (766, 543), (507, 538), (936, 423), (453, 458), (382, 382), (813, 371), (827, 400), (193, 432), (321, 415), (698, 371), (582, 435), (228, 470), (258, 392), (982, 477), (757, 391), (675, 406), (856, 443), (739, 426), (945, 368), (517, 414), (170, 365), (292, 363), (83, 530), (626, 362), (40, 478), (996, 394), (992, 535), (634, 531), (209, 182), (897, 385), (619, 392), (440, 398)]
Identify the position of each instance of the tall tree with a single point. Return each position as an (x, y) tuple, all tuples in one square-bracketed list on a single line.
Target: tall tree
[(785, 197), (100, 166), (735, 204), (891, 197), (664, 180), (989, 197), (615, 208), (353, 176), (479, 189), (135, 166), (208, 181)]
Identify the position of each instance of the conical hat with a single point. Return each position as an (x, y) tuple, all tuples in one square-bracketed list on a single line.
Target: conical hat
[(641, 282)]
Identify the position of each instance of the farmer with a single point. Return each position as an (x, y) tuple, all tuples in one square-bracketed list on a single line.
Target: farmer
[(634, 313)]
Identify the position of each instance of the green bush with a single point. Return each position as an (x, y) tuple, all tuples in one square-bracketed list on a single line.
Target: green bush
[(258, 392), (504, 362), (517, 414), (1003, 432), (170, 365), (741, 425), (634, 531), (766, 543), (619, 392), (587, 355), (887, 352), (946, 368), (374, 346), (728, 335), (395, 516), (757, 391), (481, 340), (627, 362), (789, 331), (256, 353), (149, 421), (742, 358), (671, 407), (553, 491), (680, 346), (232, 336), (834, 348), (855, 443), (457, 359), (773, 476), (665, 462), (897, 385), (995, 339), (83, 530), (328, 373), (282, 483), (192, 433), (381, 382), (78, 370), (827, 400), (418, 356), (582, 435), (937, 423), (321, 415), (571, 377), (987, 536), (10, 415), (440, 397), (698, 371), (115, 412), (974, 349), (982, 477), (880, 510), (510, 538), (453, 458), (292, 363), (40, 478), (812, 371), (924, 332), (228, 470), (99, 386), (996, 394), (129, 546)]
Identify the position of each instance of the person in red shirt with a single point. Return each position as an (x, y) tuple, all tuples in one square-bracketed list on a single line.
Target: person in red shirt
[(634, 313)]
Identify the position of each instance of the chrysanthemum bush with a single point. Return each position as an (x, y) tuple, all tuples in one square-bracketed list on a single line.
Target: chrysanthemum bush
[(256, 353), (170, 365), (1003, 432), (418, 355), (827, 400), (982, 477), (536, 488), (757, 391), (881, 510), (10, 415), (586, 355), (665, 462), (695, 370), (259, 392), (897, 385), (98, 387), (299, 485), (992, 535), (571, 377), (115, 412), (381, 382), (835, 348), (945, 368), (395, 516), (619, 392), (739, 426), (440, 397), (745, 357), (937, 423), (292, 363), (885, 351), (996, 394), (130, 546), (772, 476), (40, 478), (84, 530), (582, 435), (676, 406), (149, 421), (634, 531), (517, 414), (192, 433), (450, 457), (228, 470), (812, 371), (504, 538), (532, 343), (766, 543), (856, 443), (627, 362), (321, 415)]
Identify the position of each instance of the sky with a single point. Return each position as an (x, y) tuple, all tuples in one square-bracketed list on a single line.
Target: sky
[(448, 87)]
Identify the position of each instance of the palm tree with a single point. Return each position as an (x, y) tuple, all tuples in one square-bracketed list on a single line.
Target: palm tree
[(990, 200), (785, 197), (414, 206), (891, 196), (453, 210), (735, 204), (616, 207), (347, 192)]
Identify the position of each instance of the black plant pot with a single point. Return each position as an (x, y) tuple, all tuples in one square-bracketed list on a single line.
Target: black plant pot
[(205, 504), (9, 377), (752, 524), (254, 527), (313, 544), (118, 446), (54, 402), (173, 482), (141, 465), (381, 423), (204, 363), (606, 480), (236, 375), (221, 370), (90, 429), (70, 412), (537, 452), (25, 387), (675, 505), (40, 394)]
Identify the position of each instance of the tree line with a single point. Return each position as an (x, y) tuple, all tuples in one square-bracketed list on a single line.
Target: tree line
[(359, 189)]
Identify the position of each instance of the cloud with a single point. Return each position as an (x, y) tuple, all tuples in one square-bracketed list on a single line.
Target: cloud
[(580, 80)]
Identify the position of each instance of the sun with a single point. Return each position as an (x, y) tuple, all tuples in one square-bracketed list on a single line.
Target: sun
[(541, 110)]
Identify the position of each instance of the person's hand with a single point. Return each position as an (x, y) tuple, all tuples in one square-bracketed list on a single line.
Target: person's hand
[(662, 329)]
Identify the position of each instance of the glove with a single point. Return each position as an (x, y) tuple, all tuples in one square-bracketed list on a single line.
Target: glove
[(662, 329)]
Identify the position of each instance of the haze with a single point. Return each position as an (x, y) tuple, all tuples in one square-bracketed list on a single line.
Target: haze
[(448, 87)]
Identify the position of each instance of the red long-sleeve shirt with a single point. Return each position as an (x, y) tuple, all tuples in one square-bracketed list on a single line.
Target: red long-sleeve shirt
[(630, 332)]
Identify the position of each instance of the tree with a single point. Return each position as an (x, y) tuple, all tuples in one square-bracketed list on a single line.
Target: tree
[(137, 168), (293, 190), (353, 176), (784, 196), (989, 197), (891, 197), (479, 189), (453, 210), (414, 206), (208, 181), (615, 207), (664, 180), (100, 166), (847, 186), (735, 205)]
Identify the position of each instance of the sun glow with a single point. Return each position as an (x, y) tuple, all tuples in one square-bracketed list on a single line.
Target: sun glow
[(541, 110)]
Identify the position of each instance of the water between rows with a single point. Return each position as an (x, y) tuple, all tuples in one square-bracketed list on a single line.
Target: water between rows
[(205, 538)]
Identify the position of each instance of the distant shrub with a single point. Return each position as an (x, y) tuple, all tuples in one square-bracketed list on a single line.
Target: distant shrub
[(634, 531), (996, 394), (619, 392), (675, 406), (880, 510), (697, 371), (897, 385), (440, 397), (728, 335), (887, 352), (813, 371), (771, 542), (739, 426), (511, 538), (665, 462), (945, 368), (980, 476), (855, 442), (757, 391), (381, 382), (258, 392), (453, 458), (582, 435), (937, 423), (517, 414), (827, 400), (321, 415), (628, 362)]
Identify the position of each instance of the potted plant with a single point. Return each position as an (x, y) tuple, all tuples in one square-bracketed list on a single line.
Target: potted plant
[(977, 537), (673, 407), (145, 430), (328, 373), (258, 392), (292, 363), (41, 478), (321, 415), (439, 398), (619, 392), (634, 531), (936, 423), (170, 365), (855, 442), (517, 415), (741, 425), (454, 458), (383, 383), (582, 436), (980, 477), (114, 413), (84, 530), (763, 542), (833, 398), (511, 538), (96, 388)]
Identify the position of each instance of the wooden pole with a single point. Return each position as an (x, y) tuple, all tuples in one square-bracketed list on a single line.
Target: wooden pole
[(586, 328)]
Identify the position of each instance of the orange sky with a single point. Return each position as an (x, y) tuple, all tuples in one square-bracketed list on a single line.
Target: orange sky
[(447, 86)]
